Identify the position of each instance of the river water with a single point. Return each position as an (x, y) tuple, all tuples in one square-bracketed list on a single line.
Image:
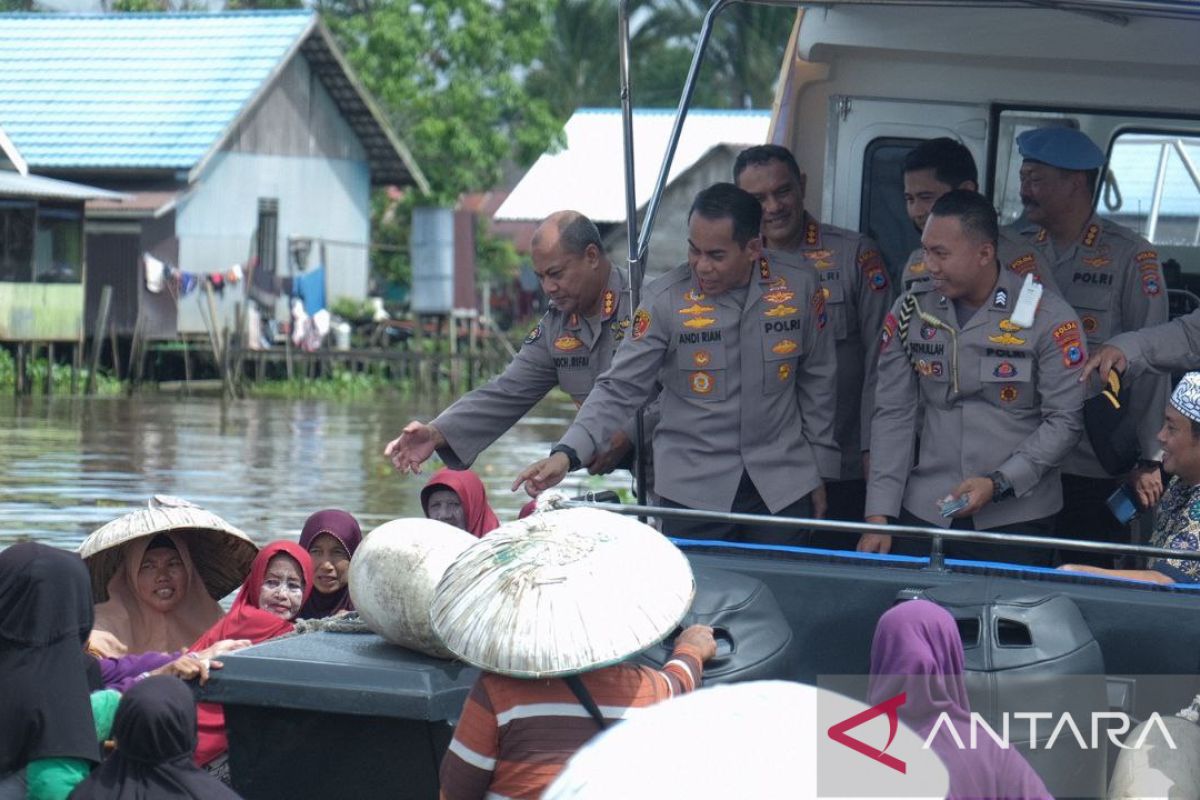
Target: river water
[(67, 466)]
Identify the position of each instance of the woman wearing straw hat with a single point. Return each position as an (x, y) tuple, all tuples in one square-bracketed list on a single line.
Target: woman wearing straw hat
[(157, 573), (550, 607)]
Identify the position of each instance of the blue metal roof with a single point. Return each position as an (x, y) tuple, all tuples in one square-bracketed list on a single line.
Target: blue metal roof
[(134, 90)]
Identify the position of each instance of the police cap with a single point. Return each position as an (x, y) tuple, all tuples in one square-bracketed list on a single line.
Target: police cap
[(1065, 148)]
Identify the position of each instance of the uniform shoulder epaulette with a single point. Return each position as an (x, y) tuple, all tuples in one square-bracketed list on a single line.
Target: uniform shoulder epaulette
[(665, 281)]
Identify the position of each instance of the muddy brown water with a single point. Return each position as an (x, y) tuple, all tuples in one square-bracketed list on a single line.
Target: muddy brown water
[(69, 466)]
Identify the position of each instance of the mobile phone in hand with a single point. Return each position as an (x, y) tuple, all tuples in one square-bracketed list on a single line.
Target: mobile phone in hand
[(1123, 504)]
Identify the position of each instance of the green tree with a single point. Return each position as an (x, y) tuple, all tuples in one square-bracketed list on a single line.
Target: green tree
[(449, 74)]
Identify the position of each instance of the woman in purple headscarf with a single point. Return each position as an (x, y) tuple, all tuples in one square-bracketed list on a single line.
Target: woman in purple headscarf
[(917, 650), (330, 536)]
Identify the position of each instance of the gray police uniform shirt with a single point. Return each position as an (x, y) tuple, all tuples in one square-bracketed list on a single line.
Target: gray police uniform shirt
[(994, 396), (1112, 278), (743, 388), (858, 295), (565, 350), (1012, 251), (1174, 345)]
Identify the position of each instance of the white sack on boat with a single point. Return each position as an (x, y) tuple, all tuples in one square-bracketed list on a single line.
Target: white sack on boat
[(393, 575)]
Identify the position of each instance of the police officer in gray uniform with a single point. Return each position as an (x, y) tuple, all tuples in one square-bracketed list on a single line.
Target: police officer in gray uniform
[(857, 293), (1111, 277), (998, 391), (742, 349), (1171, 347), (931, 169), (573, 343)]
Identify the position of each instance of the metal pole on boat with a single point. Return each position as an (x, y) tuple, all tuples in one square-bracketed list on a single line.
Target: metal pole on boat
[(937, 556), (635, 261)]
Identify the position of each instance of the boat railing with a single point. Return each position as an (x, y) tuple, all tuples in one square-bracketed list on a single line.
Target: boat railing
[(936, 536)]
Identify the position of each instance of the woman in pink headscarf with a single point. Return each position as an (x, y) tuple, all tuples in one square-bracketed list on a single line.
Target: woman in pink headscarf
[(917, 650), (457, 497)]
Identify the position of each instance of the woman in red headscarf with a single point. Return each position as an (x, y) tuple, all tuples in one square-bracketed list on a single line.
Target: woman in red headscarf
[(279, 583), (457, 497)]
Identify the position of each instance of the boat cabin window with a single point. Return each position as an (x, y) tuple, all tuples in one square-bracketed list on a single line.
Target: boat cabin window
[(883, 215)]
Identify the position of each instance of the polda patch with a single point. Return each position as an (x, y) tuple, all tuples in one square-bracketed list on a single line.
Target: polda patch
[(641, 323)]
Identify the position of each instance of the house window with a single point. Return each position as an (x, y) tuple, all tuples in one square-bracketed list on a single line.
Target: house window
[(16, 240), (884, 217), (268, 235), (58, 248)]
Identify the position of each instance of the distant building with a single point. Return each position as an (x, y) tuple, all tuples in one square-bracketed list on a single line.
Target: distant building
[(232, 134), (588, 174), (41, 252)]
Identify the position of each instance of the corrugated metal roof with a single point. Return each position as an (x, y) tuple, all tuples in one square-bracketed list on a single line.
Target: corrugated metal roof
[(588, 175), (13, 184), (133, 90)]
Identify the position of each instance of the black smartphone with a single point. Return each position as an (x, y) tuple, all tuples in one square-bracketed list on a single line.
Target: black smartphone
[(1123, 504)]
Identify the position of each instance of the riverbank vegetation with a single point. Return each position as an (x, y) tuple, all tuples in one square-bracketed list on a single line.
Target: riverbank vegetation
[(60, 377)]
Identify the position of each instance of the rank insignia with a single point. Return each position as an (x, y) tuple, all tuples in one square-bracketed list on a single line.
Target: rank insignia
[(701, 382), (784, 346), (1090, 324), (928, 332), (534, 334), (780, 311), (698, 322), (701, 358), (918, 268), (1000, 300), (784, 371), (1008, 394), (567, 343), (1089, 238), (1005, 369), (1041, 235), (764, 270), (641, 323), (696, 308), (1006, 339), (1009, 325), (778, 296), (1023, 265), (610, 303), (691, 295), (812, 233)]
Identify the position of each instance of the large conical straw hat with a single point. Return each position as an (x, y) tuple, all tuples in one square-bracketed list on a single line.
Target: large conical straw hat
[(222, 553), (772, 741), (562, 592)]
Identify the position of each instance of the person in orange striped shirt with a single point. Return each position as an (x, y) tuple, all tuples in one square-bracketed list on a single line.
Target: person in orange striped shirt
[(515, 735)]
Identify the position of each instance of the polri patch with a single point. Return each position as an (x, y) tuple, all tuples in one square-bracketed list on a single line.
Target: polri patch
[(641, 323), (1005, 369), (534, 334), (889, 331)]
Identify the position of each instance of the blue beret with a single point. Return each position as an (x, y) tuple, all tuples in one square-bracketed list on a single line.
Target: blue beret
[(1065, 148)]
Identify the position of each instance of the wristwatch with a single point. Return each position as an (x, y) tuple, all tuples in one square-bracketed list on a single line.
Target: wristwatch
[(573, 462), (1002, 487)]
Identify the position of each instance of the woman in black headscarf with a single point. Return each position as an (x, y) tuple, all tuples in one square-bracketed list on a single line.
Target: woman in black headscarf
[(155, 733), (45, 619)]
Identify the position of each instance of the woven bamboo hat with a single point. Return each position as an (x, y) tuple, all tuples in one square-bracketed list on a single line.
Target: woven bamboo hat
[(560, 593), (222, 553)]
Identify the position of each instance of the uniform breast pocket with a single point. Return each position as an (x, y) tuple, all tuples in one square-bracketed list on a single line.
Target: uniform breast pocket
[(700, 371), (1008, 382), (835, 303), (576, 381), (781, 354), (1093, 304)]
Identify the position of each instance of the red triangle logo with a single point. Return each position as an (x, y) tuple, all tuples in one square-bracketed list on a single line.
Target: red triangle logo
[(890, 708)]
